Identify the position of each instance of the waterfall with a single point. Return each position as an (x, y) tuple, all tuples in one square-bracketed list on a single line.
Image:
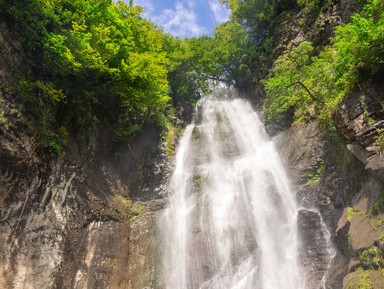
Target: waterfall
[(232, 218)]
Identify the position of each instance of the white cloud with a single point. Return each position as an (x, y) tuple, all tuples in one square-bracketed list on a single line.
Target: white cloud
[(185, 18), (146, 4), (180, 21), (220, 13)]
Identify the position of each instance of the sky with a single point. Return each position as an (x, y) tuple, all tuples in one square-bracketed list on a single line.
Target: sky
[(185, 18)]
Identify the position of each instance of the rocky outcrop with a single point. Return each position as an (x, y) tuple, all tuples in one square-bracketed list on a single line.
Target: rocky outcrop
[(316, 250), (304, 150), (66, 225), (329, 177), (360, 118)]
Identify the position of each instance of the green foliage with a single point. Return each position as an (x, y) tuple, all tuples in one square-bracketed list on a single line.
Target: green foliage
[(257, 15), (41, 101), (230, 53), (223, 57), (313, 86), (379, 140), (255, 44), (186, 78), (95, 62), (198, 64), (314, 177), (360, 43), (169, 134), (53, 142), (283, 88), (98, 63), (372, 258), (351, 213), (132, 210)]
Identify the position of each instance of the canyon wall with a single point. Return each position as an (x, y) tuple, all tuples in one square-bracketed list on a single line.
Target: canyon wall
[(82, 220)]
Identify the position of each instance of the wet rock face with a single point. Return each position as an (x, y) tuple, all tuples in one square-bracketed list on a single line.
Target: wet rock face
[(74, 222), (78, 221), (63, 225), (329, 176), (364, 279), (315, 250)]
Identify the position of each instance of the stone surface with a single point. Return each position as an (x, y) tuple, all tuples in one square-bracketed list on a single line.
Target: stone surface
[(344, 192), (373, 279), (315, 250), (375, 164), (365, 229), (143, 267), (358, 151), (359, 119)]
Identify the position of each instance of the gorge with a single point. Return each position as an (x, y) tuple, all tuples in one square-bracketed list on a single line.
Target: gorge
[(110, 179)]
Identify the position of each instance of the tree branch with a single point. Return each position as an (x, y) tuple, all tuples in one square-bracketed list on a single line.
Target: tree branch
[(307, 90)]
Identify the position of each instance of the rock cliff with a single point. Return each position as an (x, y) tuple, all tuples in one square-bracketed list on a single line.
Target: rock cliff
[(330, 177), (78, 221)]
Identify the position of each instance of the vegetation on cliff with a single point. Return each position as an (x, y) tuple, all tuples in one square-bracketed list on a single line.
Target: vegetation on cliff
[(314, 85), (93, 62), (98, 63), (306, 74)]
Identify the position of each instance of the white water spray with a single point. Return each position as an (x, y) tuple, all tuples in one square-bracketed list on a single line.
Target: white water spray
[(232, 219)]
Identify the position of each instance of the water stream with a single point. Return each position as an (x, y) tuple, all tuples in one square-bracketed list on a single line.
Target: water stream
[(232, 218)]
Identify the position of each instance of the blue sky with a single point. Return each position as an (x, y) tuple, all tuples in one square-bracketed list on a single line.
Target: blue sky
[(185, 18)]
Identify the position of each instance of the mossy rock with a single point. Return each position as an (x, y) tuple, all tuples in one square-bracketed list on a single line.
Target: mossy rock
[(364, 279)]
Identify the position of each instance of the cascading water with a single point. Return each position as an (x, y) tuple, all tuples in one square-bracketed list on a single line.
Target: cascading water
[(232, 219)]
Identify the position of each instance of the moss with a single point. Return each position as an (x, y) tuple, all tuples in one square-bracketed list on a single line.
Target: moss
[(339, 154), (344, 163), (169, 131), (3, 119), (2, 112), (363, 282), (314, 177), (351, 213), (372, 258), (170, 134), (132, 210), (136, 211), (381, 238)]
